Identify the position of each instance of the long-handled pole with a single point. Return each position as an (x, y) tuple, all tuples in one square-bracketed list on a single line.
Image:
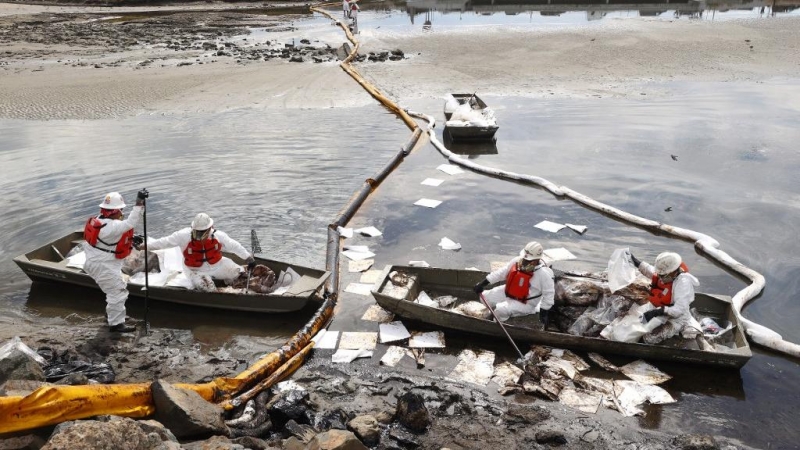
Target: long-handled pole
[(146, 270), (483, 299), (255, 246)]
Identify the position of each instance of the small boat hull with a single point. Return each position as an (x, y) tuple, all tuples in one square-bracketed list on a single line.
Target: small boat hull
[(460, 131), (46, 264), (469, 133), (459, 283)]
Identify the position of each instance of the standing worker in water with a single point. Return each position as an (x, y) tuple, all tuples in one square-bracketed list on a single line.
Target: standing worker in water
[(354, 12), (108, 240)]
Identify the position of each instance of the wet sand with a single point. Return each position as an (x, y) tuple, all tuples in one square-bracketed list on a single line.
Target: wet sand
[(620, 58), (47, 75)]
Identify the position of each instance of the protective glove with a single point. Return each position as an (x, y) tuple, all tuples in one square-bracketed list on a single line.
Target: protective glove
[(653, 313), (141, 195), (479, 288), (138, 240), (251, 263), (634, 260), (544, 317)]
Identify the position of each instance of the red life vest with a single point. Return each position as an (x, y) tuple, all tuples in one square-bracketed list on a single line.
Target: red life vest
[(91, 233), (518, 284), (661, 293), (200, 251)]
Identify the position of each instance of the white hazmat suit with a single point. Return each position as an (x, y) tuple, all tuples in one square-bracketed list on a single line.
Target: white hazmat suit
[(106, 269), (202, 277), (541, 292), (678, 314)]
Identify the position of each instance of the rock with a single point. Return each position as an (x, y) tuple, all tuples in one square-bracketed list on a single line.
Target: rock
[(290, 405), (403, 437), (332, 419), (27, 442), (550, 437), (696, 442), (384, 417), (367, 429), (304, 433), (18, 365), (122, 434), (532, 415), (152, 426), (335, 440), (412, 413), (293, 444), (296, 59), (591, 436), (184, 412), (21, 388), (74, 379), (214, 443), (343, 52)]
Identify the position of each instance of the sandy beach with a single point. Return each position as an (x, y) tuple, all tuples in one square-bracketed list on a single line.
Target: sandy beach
[(61, 74)]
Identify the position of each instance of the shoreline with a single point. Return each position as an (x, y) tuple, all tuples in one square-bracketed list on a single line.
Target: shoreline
[(80, 70)]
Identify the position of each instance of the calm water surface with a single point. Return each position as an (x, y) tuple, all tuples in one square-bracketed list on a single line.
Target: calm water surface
[(735, 179), (287, 173)]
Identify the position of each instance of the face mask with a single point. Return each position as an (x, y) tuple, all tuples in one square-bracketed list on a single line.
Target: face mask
[(199, 235), (668, 278), (527, 266)]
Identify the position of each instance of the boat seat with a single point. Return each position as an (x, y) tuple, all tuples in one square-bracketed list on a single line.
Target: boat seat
[(305, 286)]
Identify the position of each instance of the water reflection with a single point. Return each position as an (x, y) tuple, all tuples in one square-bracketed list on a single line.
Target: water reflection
[(471, 149), (505, 11), (210, 326)]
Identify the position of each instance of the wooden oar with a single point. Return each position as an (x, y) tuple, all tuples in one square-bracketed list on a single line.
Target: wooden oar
[(521, 356)]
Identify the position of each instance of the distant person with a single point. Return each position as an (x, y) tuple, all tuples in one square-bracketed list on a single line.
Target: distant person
[(671, 294), (354, 12), (529, 286), (108, 240), (202, 247), (346, 8)]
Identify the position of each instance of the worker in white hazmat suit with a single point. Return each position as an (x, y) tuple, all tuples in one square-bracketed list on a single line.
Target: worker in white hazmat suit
[(528, 286), (108, 240), (354, 12), (202, 246), (671, 294)]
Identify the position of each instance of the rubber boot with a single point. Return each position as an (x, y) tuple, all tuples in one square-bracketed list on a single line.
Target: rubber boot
[(122, 328)]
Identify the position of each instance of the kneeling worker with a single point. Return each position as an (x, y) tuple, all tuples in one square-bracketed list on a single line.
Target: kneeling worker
[(202, 248), (529, 286), (671, 293)]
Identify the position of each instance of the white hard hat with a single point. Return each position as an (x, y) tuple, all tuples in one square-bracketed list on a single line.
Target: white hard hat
[(533, 250), (667, 263), (112, 201), (202, 222)]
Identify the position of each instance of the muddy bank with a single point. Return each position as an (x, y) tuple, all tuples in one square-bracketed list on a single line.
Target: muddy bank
[(361, 397), (80, 63)]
